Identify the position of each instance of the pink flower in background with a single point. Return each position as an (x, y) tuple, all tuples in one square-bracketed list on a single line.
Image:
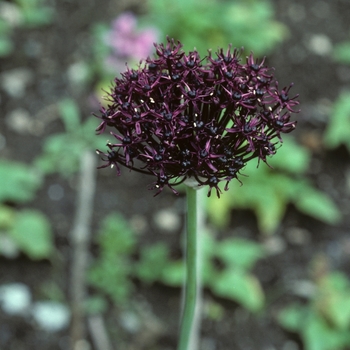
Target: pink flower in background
[(127, 41), (125, 23)]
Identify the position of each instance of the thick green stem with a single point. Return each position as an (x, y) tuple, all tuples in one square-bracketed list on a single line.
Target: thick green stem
[(191, 271)]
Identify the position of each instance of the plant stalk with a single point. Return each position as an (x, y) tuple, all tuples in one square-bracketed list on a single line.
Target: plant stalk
[(191, 281), (80, 239)]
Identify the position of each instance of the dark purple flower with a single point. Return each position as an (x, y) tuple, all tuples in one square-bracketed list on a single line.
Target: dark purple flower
[(178, 118)]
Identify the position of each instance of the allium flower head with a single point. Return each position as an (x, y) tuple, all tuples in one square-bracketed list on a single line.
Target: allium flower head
[(177, 117)]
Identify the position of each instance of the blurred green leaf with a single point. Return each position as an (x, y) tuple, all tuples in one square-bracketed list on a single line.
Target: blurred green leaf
[(35, 13), (242, 17), (315, 332), (240, 286), (62, 154), (19, 182), (291, 157), (267, 192), (7, 217), (111, 271), (6, 42), (173, 274), (338, 128), (96, 305), (291, 317), (322, 321), (6, 46), (38, 17), (116, 235), (31, 231), (317, 335), (341, 52), (219, 210), (238, 252), (152, 262), (70, 115), (62, 151), (233, 281), (316, 204), (110, 274), (333, 299), (237, 24), (155, 264)]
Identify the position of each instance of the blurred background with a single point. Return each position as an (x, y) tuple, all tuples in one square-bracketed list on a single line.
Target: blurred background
[(92, 261)]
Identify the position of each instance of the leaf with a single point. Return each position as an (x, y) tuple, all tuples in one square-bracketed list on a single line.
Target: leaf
[(291, 157), (314, 330), (173, 273), (237, 285), (316, 204), (341, 52), (6, 46), (110, 274), (238, 252), (338, 129), (35, 13), (61, 154), (70, 115), (116, 235), (96, 305), (152, 261), (38, 17), (265, 192), (19, 182), (218, 209), (111, 271), (317, 335), (62, 151), (333, 300), (7, 217), (32, 233), (237, 23), (291, 318), (270, 210), (155, 264)]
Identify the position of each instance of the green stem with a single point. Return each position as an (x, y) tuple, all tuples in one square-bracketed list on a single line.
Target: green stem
[(191, 271)]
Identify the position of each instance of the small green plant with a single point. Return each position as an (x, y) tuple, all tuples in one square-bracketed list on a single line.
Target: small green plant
[(100, 51), (35, 13), (268, 191), (25, 230), (110, 274), (323, 323), (341, 52), (226, 269), (338, 127), (62, 151), (6, 44), (19, 182), (214, 24), (226, 265), (23, 14)]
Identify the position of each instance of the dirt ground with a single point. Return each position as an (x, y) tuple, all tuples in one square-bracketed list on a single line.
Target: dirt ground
[(45, 56)]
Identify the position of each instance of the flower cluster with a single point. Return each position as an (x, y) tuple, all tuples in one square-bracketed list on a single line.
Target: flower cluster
[(177, 117)]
